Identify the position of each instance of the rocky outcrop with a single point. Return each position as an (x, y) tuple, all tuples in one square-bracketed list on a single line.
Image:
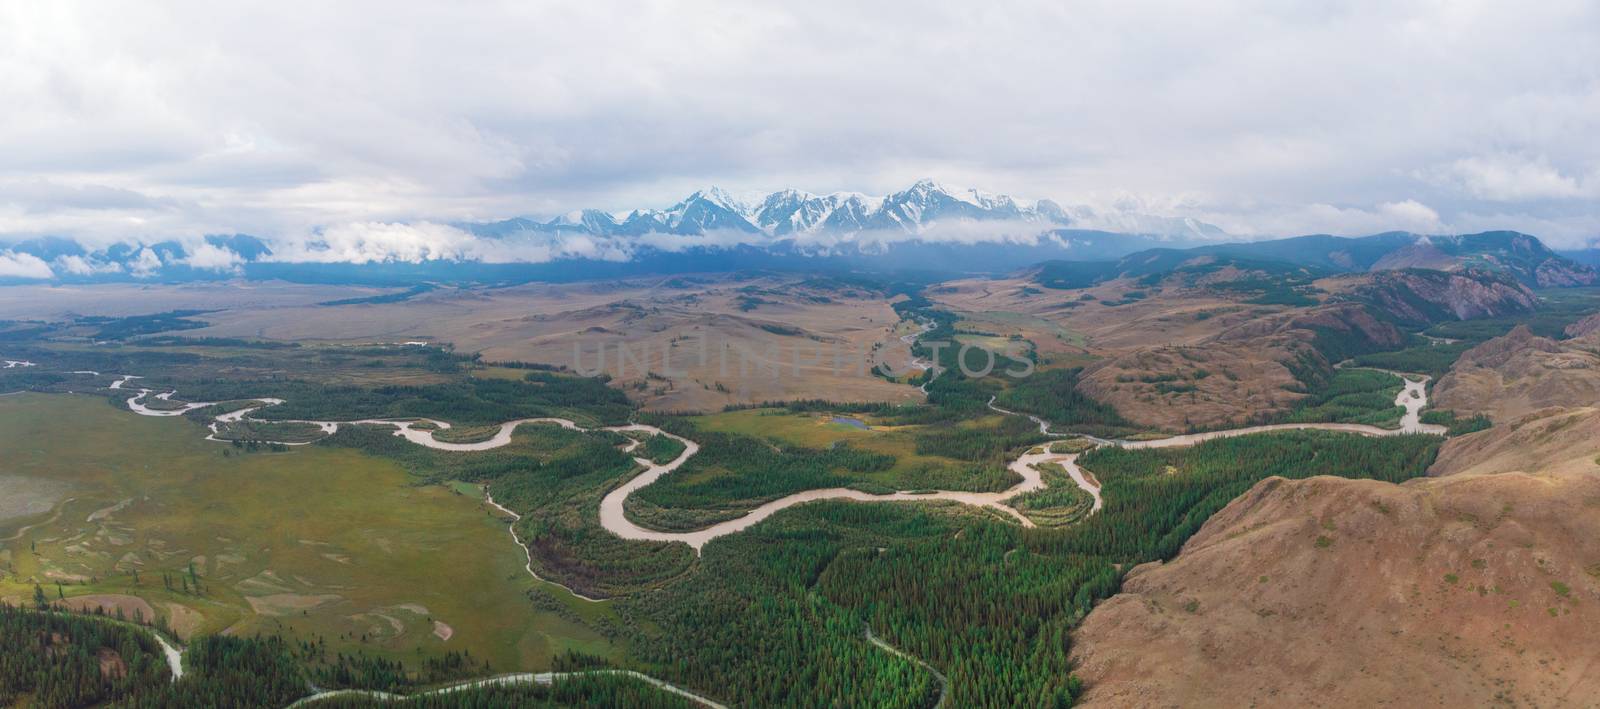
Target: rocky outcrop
[(1563, 273), (1585, 327), (1499, 351), (1421, 297), (1461, 591)]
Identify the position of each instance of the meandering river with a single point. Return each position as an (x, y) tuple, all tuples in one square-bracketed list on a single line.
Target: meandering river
[(613, 507)]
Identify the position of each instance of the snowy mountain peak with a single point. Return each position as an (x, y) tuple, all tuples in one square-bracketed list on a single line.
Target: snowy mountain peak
[(719, 197)]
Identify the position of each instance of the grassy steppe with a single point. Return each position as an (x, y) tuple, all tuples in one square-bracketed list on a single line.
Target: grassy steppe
[(749, 457), (316, 541), (910, 469)]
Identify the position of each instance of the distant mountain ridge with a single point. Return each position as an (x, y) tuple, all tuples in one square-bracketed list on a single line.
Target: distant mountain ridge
[(1520, 256), (1588, 257), (926, 228)]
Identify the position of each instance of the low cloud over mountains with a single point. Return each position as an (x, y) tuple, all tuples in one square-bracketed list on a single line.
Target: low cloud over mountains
[(789, 221)]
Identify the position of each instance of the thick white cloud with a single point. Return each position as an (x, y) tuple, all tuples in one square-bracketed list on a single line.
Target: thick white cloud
[(208, 257), (1407, 215), (379, 242), (168, 120), (1507, 177), (15, 265), (145, 264), (75, 265), (397, 242)]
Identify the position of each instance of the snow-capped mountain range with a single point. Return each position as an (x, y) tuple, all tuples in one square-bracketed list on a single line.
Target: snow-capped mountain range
[(917, 210), (923, 227)]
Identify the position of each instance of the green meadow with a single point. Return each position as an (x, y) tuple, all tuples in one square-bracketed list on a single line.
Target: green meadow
[(313, 542), (909, 471)]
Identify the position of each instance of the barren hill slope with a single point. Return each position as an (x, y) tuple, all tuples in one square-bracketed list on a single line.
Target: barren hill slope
[(1459, 591), (1554, 440), (1512, 376), (1544, 396)]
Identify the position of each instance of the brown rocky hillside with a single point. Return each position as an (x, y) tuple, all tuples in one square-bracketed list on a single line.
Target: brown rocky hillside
[(1471, 590), (1510, 377)]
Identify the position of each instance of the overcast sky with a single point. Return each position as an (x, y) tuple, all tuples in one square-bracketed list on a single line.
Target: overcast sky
[(161, 119)]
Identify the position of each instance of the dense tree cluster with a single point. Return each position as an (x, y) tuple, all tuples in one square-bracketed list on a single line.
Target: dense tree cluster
[(992, 441), (1053, 395), (660, 449), (1155, 499), (1457, 426), (1421, 358), (591, 690), (224, 672), (1352, 396), (59, 659), (133, 325), (750, 628), (466, 401), (734, 472), (1059, 504)]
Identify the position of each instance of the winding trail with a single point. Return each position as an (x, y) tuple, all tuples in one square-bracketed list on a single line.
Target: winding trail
[(944, 683), (541, 678), (512, 528)]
